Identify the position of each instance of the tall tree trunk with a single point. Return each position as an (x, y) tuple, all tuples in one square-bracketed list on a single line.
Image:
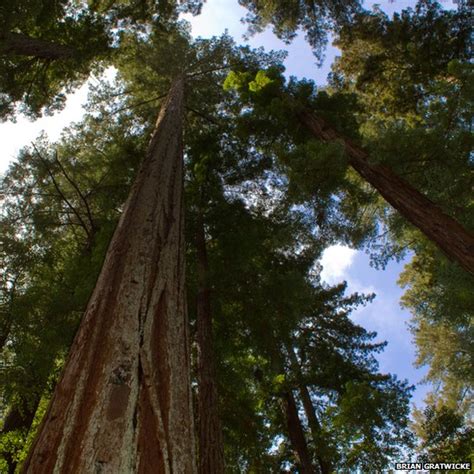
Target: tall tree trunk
[(19, 417), (211, 447), (450, 236), (313, 422), (296, 433), (18, 44), (123, 403)]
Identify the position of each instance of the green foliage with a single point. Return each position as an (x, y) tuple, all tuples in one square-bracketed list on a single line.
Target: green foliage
[(63, 42), (35, 82), (238, 80), (412, 78), (314, 168), (316, 175), (264, 87), (271, 198), (440, 297), (260, 82), (11, 445), (444, 434)]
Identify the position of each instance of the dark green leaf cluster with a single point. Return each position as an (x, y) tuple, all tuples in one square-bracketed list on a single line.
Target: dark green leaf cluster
[(46, 49), (445, 434)]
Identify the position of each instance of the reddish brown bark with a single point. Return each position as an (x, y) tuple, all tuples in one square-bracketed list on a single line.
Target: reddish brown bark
[(450, 236), (19, 44), (211, 447), (123, 403), (296, 434)]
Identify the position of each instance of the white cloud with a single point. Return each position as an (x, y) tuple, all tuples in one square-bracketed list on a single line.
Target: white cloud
[(336, 260)]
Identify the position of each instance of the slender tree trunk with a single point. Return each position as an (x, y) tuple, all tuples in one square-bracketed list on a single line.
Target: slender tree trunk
[(18, 44), (315, 427), (123, 403), (313, 422), (296, 433), (19, 417), (211, 448), (450, 236)]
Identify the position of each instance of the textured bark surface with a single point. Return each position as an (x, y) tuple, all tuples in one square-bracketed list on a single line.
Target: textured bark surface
[(22, 45), (450, 236), (296, 434), (211, 447), (123, 404)]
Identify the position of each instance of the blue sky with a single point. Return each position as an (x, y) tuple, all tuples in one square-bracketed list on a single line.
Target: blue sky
[(384, 315)]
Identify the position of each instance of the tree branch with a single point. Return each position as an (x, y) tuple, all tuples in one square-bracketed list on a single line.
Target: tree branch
[(19, 44), (58, 189), (76, 187)]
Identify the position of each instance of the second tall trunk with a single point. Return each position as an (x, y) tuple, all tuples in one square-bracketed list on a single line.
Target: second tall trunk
[(211, 448)]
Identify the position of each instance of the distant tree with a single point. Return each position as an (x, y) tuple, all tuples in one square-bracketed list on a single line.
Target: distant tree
[(48, 48), (264, 305)]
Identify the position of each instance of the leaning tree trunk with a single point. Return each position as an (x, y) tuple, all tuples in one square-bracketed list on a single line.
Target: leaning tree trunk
[(296, 433), (211, 448), (18, 44), (450, 236), (123, 403)]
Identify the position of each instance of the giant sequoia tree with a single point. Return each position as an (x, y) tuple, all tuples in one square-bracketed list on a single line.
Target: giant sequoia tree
[(124, 397), (444, 34), (283, 378)]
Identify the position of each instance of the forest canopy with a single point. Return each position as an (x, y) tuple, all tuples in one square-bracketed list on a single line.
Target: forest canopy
[(162, 307)]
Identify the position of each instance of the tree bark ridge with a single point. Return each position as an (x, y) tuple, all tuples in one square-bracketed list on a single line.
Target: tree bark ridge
[(123, 403)]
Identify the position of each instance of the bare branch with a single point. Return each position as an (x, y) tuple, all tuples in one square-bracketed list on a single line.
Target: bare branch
[(204, 116), (58, 189), (138, 104), (76, 187)]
